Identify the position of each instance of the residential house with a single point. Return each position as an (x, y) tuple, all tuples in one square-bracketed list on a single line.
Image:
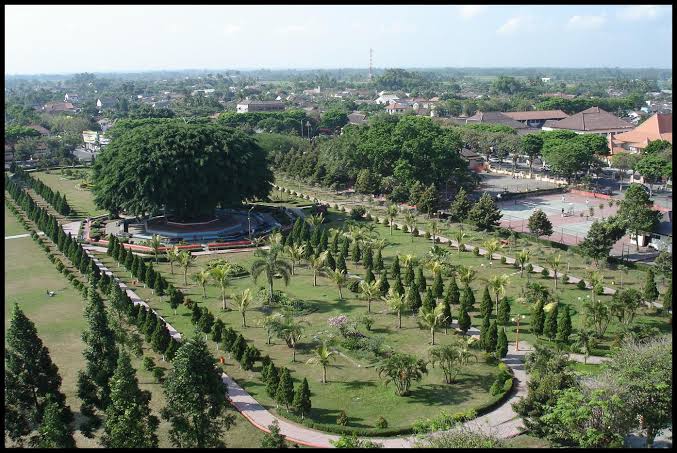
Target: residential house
[(259, 106), (475, 161), (497, 118), (59, 107), (72, 98), (536, 118), (591, 121), (384, 99), (105, 103), (661, 237), (105, 124), (357, 118), (559, 95), (204, 92), (94, 141), (43, 132), (397, 108), (658, 127)]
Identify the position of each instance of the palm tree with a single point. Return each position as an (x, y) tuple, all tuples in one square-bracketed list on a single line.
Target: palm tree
[(498, 284), (220, 275), (202, 278), (464, 354), (555, 262), (172, 256), (466, 275), (401, 370), (459, 236), (432, 318), (434, 230), (410, 223), (392, 215), (595, 279), (379, 244), (586, 342), (154, 243), (291, 331), (315, 220), (185, 260), (322, 356), (267, 262), (406, 259), (270, 323), (370, 291), (523, 258), (340, 278), (396, 302), (491, 246), (242, 301), (296, 254), (275, 239), (318, 265)]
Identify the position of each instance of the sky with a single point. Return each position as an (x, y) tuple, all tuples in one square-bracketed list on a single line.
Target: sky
[(126, 38)]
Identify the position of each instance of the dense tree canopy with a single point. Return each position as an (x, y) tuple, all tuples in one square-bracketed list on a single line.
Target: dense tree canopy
[(187, 168)]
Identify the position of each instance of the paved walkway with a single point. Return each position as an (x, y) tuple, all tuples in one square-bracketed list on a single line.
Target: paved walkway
[(25, 235)]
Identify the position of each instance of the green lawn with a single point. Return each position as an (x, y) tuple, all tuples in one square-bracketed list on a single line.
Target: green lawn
[(59, 320), (80, 200), (12, 225)]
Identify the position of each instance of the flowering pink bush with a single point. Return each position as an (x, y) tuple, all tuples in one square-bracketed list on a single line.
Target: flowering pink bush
[(341, 321)]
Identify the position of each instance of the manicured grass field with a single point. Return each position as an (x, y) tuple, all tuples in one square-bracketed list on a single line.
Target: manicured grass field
[(12, 226), (79, 199), (59, 320)]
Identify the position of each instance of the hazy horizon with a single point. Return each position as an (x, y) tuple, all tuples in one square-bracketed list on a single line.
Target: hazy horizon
[(61, 40)]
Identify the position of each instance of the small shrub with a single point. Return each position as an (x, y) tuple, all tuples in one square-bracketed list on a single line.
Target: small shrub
[(599, 289), (565, 278), (148, 363), (476, 251), (503, 260), (336, 206), (414, 232), (377, 220), (357, 212), (381, 423), (580, 284), (342, 419), (545, 273), (396, 226), (426, 235), (385, 222), (405, 228), (507, 385), (368, 217)]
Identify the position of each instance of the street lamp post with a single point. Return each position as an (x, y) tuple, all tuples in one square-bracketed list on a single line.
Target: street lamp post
[(516, 319), (249, 221)]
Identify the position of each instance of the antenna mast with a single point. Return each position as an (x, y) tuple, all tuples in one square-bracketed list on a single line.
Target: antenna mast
[(371, 54)]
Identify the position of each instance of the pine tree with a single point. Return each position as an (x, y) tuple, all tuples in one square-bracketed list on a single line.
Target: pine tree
[(302, 403), (195, 314), (129, 261), (464, 321), (111, 245), (272, 380), (650, 291), (367, 257), (469, 298), (385, 284), (504, 312), (285, 389), (142, 270), (484, 331), (486, 305), (161, 338), (148, 328), (564, 325), (369, 276), (331, 263), (491, 340), (355, 252), (344, 247), (273, 439), (159, 286), (173, 347), (55, 430), (315, 238), (206, 322), (379, 266), (247, 360), (238, 348), (538, 318), (550, 325), (217, 332), (420, 280), (429, 301), (129, 421), (341, 264), (196, 422), (502, 344), (395, 267), (136, 266), (397, 286), (30, 378), (409, 275), (335, 243), (438, 286), (324, 240), (446, 314)]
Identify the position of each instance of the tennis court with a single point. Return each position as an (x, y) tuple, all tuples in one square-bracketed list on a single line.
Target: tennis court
[(569, 214)]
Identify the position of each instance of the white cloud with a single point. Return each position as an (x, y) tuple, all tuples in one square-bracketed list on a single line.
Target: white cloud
[(231, 28), (586, 22), (468, 11), (512, 25), (293, 29), (640, 12)]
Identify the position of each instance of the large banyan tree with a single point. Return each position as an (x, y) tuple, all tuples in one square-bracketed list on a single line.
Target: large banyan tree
[(187, 169)]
